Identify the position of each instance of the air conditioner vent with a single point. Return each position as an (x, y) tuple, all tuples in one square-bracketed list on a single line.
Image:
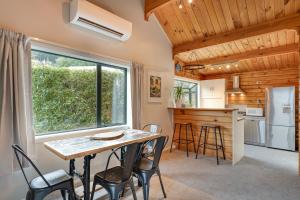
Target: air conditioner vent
[(92, 17), (95, 25)]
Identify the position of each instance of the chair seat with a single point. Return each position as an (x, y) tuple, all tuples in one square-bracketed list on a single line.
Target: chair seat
[(113, 175), (53, 178)]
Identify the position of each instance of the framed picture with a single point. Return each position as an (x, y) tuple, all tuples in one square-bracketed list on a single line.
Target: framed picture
[(155, 87)]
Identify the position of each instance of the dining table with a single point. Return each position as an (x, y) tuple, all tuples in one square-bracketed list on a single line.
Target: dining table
[(87, 148)]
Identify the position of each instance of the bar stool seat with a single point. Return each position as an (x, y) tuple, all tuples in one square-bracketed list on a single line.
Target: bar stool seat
[(186, 140), (205, 145)]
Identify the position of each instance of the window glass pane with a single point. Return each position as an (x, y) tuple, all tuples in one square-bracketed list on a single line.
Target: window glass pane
[(113, 96), (190, 92), (64, 93)]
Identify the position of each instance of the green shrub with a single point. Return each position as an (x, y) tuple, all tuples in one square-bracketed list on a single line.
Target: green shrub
[(65, 99)]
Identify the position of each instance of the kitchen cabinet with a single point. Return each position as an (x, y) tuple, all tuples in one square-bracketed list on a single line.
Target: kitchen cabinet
[(212, 88), (212, 93)]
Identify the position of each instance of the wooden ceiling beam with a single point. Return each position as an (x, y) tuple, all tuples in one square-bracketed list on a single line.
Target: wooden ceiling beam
[(152, 5), (249, 54), (289, 22)]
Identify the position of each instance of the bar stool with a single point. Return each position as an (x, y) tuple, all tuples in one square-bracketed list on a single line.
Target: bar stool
[(206, 129), (186, 141)]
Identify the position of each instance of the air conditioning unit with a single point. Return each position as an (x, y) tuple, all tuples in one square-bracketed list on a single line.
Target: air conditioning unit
[(92, 17)]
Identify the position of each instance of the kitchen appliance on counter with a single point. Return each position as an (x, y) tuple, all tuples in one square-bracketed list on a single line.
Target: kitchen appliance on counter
[(254, 112), (280, 117), (255, 133)]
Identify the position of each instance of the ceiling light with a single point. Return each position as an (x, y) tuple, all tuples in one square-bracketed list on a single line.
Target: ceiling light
[(180, 5), (190, 1), (220, 68), (236, 65), (212, 68), (228, 66)]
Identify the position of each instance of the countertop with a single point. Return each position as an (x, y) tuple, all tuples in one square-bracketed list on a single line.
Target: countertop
[(205, 109)]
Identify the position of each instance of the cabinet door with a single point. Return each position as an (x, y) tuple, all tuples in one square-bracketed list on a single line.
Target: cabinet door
[(212, 88)]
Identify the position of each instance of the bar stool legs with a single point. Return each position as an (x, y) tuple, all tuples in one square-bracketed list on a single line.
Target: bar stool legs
[(221, 142), (185, 140), (194, 144), (216, 142), (173, 137), (217, 131)]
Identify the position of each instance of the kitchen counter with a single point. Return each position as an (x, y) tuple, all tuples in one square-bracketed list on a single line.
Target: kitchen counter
[(232, 128)]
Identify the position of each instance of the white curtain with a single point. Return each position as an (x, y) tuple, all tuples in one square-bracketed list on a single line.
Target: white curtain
[(15, 98), (137, 78)]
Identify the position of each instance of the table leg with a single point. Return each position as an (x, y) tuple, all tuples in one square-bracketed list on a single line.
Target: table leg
[(86, 176), (72, 167)]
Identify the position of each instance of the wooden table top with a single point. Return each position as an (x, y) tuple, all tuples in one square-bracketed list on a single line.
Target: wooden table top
[(72, 148)]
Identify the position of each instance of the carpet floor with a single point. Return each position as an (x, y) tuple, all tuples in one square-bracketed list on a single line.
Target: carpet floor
[(263, 174)]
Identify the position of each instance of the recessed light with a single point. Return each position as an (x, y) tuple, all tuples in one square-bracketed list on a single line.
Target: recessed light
[(180, 6), (220, 68), (190, 1), (227, 66), (236, 65)]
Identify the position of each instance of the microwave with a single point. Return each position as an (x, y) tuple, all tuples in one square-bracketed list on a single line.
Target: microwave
[(255, 112)]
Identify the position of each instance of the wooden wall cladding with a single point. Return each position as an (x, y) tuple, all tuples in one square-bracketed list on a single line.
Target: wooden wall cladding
[(189, 74), (254, 84), (197, 118)]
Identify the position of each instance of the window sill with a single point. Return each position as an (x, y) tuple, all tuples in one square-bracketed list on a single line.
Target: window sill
[(80, 133)]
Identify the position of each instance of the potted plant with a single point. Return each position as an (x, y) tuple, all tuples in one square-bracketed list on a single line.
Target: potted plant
[(178, 95)]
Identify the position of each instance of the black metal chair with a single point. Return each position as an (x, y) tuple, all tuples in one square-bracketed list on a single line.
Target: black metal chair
[(153, 128), (115, 179), (145, 167), (43, 185), (147, 147)]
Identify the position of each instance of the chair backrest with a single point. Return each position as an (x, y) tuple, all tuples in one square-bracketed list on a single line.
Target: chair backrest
[(153, 128), (129, 160), (159, 147), (19, 152)]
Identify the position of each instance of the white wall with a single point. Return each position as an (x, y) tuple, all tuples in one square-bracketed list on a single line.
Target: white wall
[(47, 19)]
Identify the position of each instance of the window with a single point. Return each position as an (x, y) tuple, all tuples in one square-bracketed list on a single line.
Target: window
[(190, 92), (73, 94)]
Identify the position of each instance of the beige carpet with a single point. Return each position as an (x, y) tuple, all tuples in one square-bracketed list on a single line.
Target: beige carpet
[(263, 174)]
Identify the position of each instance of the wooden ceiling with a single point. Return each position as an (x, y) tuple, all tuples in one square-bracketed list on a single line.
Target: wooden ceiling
[(257, 34)]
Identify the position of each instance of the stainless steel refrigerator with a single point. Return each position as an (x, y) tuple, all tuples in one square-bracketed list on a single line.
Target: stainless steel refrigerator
[(280, 117)]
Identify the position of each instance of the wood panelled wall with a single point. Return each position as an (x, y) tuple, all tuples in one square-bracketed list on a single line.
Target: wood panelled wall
[(198, 118), (254, 84), (189, 75)]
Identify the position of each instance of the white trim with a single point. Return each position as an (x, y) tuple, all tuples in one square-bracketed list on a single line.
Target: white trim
[(79, 133), (43, 45)]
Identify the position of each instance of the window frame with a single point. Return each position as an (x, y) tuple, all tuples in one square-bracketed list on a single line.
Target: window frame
[(99, 64), (197, 85)]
